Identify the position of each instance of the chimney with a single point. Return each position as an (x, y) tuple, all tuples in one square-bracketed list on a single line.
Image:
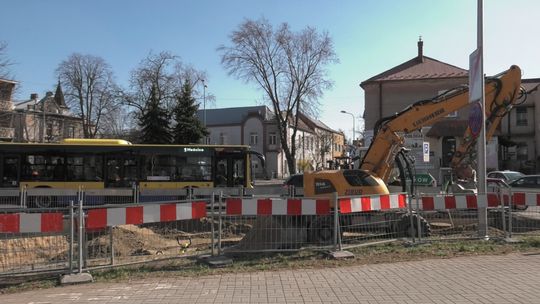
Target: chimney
[(33, 96), (49, 94), (420, 49)]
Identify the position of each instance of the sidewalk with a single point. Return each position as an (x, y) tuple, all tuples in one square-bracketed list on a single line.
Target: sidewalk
[(484, 279)]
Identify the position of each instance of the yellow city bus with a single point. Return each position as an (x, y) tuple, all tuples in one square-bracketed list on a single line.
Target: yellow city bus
[(112, 163)]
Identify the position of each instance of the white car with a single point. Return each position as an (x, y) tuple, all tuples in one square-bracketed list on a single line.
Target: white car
[(507, 176)]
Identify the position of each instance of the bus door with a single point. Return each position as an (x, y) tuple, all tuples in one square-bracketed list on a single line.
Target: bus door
[(121, 171), (9, 169), (230, 170)]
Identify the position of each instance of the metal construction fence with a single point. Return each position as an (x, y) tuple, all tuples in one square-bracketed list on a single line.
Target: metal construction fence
[(87, 229)]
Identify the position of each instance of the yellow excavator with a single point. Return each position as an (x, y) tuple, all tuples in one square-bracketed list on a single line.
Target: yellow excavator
[(502, 92)]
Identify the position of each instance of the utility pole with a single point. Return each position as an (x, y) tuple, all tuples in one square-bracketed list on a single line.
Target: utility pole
[(481, 142)]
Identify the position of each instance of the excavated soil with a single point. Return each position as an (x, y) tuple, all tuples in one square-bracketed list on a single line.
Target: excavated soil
[(32, 251)]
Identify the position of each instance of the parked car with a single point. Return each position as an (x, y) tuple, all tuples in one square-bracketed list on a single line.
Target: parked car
[(527, 183), (506, 175)]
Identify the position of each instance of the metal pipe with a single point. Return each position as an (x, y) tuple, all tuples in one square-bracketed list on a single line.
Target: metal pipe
[(71, 233), (81, 237), (220, 226), (111, 239), (212, 229), (336, 220)]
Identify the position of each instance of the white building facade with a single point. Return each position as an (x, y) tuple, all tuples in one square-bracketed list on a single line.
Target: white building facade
[(256, 126)]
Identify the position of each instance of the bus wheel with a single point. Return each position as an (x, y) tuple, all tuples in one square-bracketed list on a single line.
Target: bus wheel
[(41, 202)]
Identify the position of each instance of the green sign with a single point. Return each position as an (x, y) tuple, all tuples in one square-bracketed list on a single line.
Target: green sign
[(423, 179)]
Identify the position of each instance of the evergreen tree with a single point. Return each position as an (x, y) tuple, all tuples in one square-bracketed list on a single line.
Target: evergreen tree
[(155, 122), (189, 128)]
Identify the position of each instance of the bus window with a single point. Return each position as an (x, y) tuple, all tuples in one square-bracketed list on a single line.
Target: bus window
[(10, 167), (160, 167), (197, 168), (121, 171), (221, 173), (43, 168), (130, 170), (84, 168), (75, 168), (113, 172), (239, 172)]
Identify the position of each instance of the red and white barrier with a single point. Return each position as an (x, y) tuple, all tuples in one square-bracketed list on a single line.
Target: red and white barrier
[(372, 203), (267, 206), (106, 217), (526, 199), (473, 201), (31, 223)]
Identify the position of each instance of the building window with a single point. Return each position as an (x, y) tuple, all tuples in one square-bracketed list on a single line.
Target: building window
[(522, 151), (49, 129), (222, 138), (272, 139), (521, 116), (71, 132), (253, 138)]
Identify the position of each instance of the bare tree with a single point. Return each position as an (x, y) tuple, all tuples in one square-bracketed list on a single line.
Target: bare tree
[(5, 62), (323, 146), (166, 73), (89, 89), (118, 122), (290, 68)]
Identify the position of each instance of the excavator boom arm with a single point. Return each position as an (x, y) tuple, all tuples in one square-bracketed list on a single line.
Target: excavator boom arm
[(500, 92)]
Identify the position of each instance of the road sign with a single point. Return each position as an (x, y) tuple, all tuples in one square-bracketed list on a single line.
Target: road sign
[(475, 119), (423, 179), (475, 76), (425, 151)]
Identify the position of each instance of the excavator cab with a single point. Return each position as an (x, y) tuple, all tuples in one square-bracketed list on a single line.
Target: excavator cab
[(344, 182)]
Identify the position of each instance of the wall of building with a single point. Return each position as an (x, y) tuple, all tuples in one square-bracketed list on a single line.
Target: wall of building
[(254, 125), (397, 95), (524, 156), (233, 135)]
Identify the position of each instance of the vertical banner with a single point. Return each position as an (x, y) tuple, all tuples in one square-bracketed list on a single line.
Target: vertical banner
[(425, 148), (475, 76)]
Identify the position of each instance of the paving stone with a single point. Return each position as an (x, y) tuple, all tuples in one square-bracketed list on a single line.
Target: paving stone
[(484, 279)]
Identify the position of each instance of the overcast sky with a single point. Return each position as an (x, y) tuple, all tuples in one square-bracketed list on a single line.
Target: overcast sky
[(369, 37)]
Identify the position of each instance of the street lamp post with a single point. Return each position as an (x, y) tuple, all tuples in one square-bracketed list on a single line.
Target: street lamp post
[(353, 126), (204, 102)]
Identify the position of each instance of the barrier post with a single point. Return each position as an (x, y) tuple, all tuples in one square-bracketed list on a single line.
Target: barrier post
[(24, 197), (71, 233), (482, 217), (212, 229), (510, 211), (503, 211), (411, 219), (337, 245), (81, 233), (111, 239), (220, 220)]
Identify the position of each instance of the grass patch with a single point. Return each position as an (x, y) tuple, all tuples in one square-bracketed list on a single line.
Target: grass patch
[(382, 253)]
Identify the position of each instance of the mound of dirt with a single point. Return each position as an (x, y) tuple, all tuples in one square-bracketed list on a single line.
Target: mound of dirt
[(32, 251), (131, 240)]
